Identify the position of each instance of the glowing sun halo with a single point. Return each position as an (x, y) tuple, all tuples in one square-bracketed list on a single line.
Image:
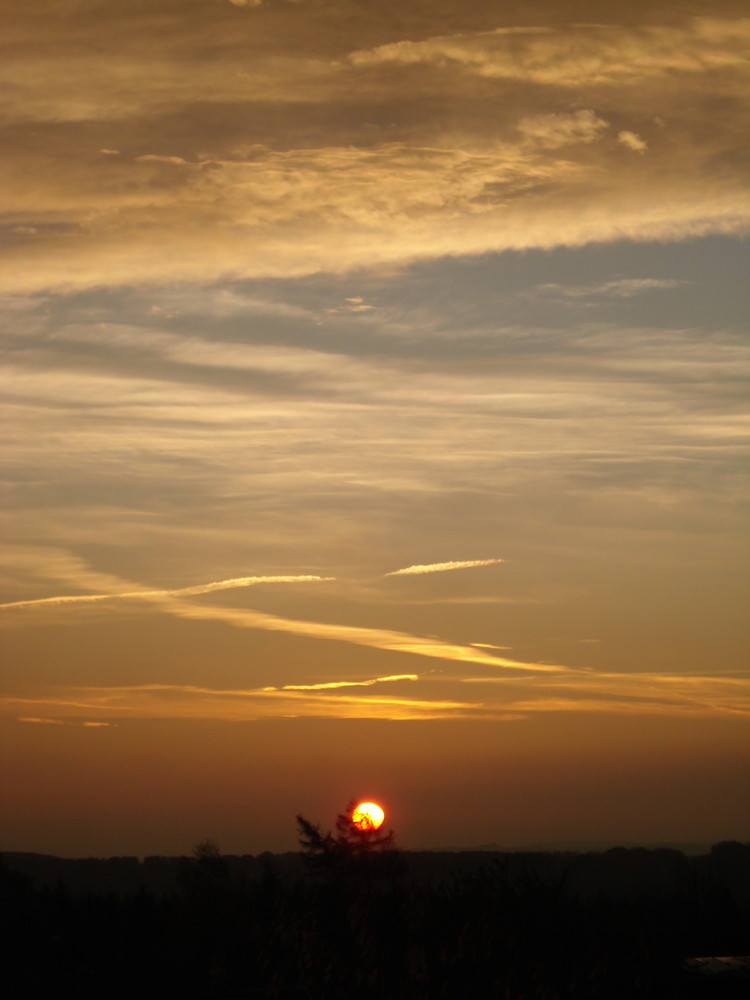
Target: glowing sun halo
[(368, 816)]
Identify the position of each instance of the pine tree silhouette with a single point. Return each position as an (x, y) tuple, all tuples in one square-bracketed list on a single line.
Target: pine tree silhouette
[(353, 849)]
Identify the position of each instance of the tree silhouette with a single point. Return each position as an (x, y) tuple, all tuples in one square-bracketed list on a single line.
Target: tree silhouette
[(209, 860), (364, 850)]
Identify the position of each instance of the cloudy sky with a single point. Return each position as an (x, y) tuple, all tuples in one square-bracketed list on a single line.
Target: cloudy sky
[(375, 420)]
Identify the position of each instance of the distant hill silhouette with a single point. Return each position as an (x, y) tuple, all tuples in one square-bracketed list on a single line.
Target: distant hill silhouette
[(588, 847), (620, 871)]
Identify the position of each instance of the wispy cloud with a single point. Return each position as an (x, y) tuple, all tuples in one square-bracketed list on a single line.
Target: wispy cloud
[(581, 54), (442, 567), (326, 685), (194, 591), (436, 697), (623, 288), (242, 581), (85, 723), (174, 602), (43, 722), (385, 639), (191, 702), (689, 694), (589, 690), (351, 305), (552, 131)]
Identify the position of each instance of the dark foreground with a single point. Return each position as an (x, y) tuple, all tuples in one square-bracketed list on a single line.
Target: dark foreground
[(616, 926)]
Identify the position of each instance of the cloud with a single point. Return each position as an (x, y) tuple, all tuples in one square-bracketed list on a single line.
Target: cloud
[(330, 181), (368, 215), (650, 693), (326, 685), (192, 430), (622, 288), (152, 157), (579, 54), (242, 581), (192, 702), (625, 287), (632, 141), (281, 368), (46, 722), (173, 602), (384, 639), (552, 131), (352, 305), (499, 698), (202, 588), (85, 723), (442, 567)]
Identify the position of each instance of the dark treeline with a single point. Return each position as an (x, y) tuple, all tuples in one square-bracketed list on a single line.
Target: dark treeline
[(616, 925)]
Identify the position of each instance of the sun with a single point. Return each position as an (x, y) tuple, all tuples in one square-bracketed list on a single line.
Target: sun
[(368, 816)]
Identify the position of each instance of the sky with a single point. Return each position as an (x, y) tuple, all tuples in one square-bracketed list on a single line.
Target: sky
[(375, 421)]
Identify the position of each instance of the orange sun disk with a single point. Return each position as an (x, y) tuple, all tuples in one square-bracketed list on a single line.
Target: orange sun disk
[(368, 816)]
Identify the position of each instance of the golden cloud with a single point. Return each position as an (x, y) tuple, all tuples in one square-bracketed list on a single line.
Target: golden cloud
[(549, 168)]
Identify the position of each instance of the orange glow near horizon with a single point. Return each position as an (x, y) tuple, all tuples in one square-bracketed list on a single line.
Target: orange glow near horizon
[(368, 816)]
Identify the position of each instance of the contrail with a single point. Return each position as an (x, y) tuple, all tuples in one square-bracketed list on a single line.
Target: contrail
[(442, 567), (201, 588), (342, 684)]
